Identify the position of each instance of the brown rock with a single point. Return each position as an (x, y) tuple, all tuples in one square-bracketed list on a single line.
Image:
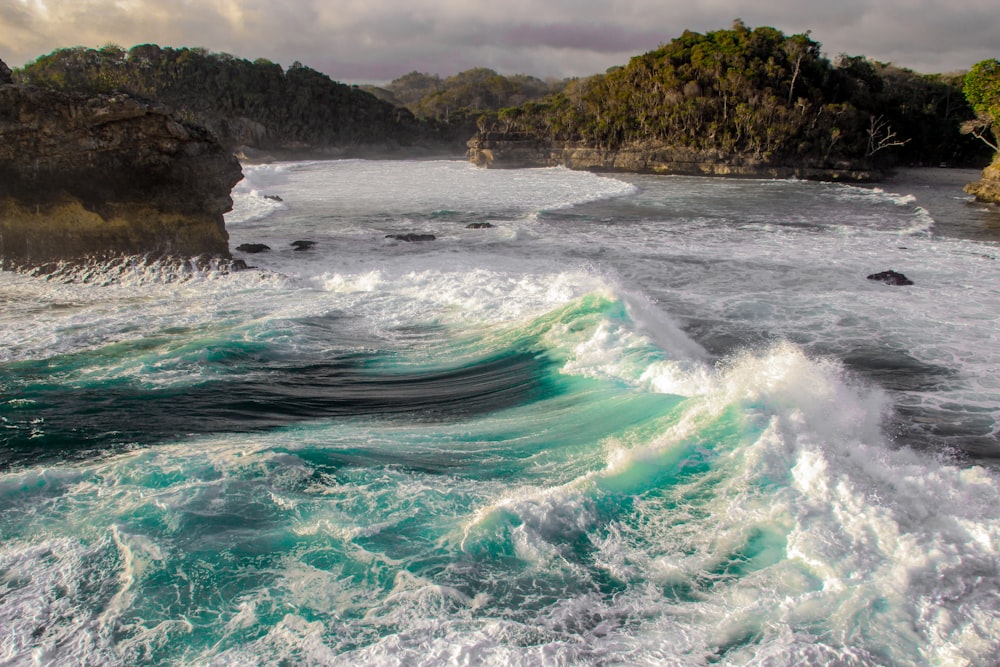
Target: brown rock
[(650, 157), (84, 176), (987, 188)]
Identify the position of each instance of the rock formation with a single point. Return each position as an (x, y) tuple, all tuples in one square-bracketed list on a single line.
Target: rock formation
[(253, 248), (890, 277), (987, 188), (97, 176), (650, 157), (412, 237)]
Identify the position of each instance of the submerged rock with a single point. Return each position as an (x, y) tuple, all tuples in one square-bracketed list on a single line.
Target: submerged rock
[(891, 277), (253, 248), (479, 225), (302, 245), (273, 197), (411, 238), (106, 175)]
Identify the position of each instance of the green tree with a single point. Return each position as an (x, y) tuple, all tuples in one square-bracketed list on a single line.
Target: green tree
[(244, 103), (982, 89), (760, 94)]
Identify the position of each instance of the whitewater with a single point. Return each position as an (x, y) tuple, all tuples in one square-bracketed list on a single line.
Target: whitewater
[(596, 420)]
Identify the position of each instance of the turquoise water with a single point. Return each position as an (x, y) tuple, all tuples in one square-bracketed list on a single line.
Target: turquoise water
[(653, 421)]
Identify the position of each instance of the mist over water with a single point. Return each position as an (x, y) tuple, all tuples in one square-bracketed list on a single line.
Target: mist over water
[(635, 420)]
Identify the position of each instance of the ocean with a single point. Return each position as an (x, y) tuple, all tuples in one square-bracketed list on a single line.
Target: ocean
[(595, 420)]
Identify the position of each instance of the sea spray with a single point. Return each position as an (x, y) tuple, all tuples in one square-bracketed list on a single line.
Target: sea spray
[(669, 424)]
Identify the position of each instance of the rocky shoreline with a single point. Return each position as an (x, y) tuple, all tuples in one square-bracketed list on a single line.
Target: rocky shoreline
[(987, 188), (513, 153), (92, 176)]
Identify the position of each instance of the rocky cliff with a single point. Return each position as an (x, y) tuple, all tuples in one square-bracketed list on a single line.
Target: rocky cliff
[(84, 175), (987, 188), (649, 157)]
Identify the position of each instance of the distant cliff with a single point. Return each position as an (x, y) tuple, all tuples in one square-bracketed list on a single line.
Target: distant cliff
[(101, 175)]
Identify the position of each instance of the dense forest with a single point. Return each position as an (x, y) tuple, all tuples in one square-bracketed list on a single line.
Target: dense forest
[(246, 104), (260, 105), (741, 92), (762, 94)]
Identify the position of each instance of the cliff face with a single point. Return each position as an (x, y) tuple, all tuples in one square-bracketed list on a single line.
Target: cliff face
[(650, 157), (987, 188), (106, 175)]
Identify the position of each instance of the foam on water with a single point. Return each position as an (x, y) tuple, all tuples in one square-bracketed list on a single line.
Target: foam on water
[(349, 187), (762, 516), (629, 490)]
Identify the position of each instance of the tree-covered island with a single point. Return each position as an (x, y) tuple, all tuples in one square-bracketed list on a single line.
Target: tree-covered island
[(740, 101)]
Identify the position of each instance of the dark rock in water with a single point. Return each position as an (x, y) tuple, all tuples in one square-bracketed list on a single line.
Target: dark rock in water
[(479, 225), (5, 74), (107, 175), (891, 278), (410, 238), (302, 245), (273, 197), (253, 248)]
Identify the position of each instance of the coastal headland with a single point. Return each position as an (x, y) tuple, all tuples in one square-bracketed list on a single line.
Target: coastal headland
[(91, 176), (650, 157)]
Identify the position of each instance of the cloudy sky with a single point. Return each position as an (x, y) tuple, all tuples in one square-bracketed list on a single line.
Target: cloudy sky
[(373, 41)]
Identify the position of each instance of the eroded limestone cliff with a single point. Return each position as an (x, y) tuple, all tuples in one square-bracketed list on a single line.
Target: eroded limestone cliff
[(650, 157), (97, 176), (987, 188)]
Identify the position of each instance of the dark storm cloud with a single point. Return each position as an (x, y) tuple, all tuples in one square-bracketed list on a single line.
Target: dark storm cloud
[(377, 40), (581, 36)]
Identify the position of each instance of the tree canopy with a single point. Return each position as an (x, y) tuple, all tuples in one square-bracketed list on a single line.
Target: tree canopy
[(244, 103), (760, 93), (982, 89)]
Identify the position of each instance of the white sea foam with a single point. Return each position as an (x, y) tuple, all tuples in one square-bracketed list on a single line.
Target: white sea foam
[(350, 187), (751, 510)]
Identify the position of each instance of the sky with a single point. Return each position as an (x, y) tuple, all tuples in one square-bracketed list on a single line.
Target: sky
[(375, 41)]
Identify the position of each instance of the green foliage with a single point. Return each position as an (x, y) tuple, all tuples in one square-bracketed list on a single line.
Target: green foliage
[(411, 88), (463, 97), (982, 89), (465, 103), (244, 103), (760, 94)]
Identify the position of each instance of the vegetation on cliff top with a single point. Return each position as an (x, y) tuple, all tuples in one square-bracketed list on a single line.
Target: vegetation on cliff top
[(760, 94), (244, 103), (454, 104), (755, 93), (982, 89)]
